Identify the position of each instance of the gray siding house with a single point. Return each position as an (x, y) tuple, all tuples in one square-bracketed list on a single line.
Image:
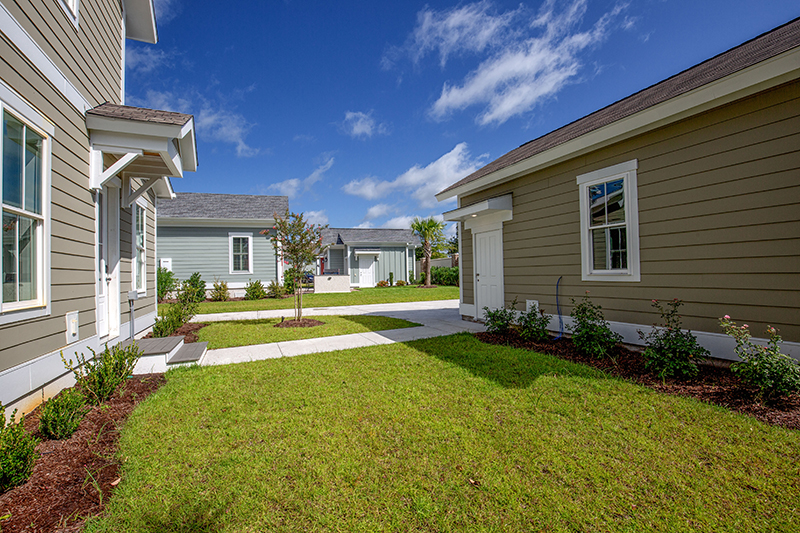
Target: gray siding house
[(80, 176), (218, 235), (369, 255), (688, 189)]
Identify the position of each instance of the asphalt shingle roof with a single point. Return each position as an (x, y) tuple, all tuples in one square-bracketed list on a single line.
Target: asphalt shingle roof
[(232, 206), (140, 114), (763, 47), (371, 235)]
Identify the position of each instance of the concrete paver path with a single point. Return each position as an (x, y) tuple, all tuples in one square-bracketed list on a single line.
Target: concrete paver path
[(438, 318)]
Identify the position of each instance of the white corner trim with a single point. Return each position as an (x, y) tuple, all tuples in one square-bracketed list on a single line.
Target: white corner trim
[(467, 309), (34, 53), (249, 237)]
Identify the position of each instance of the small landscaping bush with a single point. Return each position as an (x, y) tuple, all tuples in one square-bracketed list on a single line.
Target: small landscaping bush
[(198, 287), (391, 278), (533, 325), (254, 290), (275, 290), (670, 350), (165, 282), (178, 313), (382, 283), (17, 451), (500, 320), (765, 367), (220, 291), (445, 276), (591, 334), (400, 283), (100, 376), (289, 276), (61, 416)]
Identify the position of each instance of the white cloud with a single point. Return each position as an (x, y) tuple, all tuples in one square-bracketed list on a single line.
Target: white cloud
[(304, 138), (530, 57), (166, 10), (292, 187), (316, 217), (423, 182), (378, 211), (357, 124), (144, 59), (366, 224), (401, 222), (213, 121)]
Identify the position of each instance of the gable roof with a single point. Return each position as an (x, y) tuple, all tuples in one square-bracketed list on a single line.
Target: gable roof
[(368, 235), (140, 114), (200, 205), (761, 48)]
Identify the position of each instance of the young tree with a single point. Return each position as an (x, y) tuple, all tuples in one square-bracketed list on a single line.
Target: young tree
[(431, 232), (299, 243)]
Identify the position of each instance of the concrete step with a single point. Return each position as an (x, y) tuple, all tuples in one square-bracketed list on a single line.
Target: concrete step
[(189, 353)]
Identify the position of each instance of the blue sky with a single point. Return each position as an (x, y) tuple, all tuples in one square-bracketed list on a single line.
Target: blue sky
[(361, 111)]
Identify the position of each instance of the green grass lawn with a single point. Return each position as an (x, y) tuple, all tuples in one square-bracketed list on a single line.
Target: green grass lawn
[(359, 297), (444, 434), (246, 332)]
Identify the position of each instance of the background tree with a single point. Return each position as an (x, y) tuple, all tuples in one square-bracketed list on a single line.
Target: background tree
[(431, 232), (299, 243)]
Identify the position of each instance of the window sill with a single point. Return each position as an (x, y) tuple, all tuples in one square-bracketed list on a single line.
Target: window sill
[(18, 315), (609, 276)]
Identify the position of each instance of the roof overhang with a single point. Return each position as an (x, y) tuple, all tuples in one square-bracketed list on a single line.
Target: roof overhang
[(261, 223), (140, 20), (367, 251), (767, 74), (498, 205)]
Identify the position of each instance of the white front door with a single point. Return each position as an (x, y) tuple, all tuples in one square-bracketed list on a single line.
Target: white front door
[(488, 270), (102, 266), (366, 277), (107, 270)]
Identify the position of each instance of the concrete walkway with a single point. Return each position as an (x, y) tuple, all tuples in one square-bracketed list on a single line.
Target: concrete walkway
[(437, 318)]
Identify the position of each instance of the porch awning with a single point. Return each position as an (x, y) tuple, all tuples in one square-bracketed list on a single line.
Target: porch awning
[(370, 251), (499, 204), (135, 142)]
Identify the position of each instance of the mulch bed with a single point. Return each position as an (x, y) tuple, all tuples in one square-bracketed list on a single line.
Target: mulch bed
[(188, 331), (59, 494), (302, 323), (715, 383)]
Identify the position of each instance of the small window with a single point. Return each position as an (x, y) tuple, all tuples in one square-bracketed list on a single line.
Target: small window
[(610, 224), (23, 178), (240, 247), (71, 8), (139, 248)]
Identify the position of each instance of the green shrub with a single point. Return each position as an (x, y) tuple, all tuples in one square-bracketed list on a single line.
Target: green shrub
[(391, 278), (254, 290), (500, 320), (400, 283), (198, 287), (61, 416), (670, 350), (275, 290), (765, 367), (100, 376), (220, 291), (445, 276), (17, 451), (533, 325), (179, 313), (591, 334), (165, 282)]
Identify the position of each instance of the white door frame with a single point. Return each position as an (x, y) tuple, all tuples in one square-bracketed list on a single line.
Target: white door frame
[(483, 223), (370, 269), (108, 283), (498, 264)]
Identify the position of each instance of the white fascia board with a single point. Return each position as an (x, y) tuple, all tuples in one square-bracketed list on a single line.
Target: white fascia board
[(134, 127), (172, 159), (769, 73), (140, 20), (188, 146), (163, 189), (226, 222), (373, 244), (484, 207), (123, 143)]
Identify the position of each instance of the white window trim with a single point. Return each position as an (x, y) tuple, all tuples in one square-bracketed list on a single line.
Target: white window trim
[(141, 202), (627, 171), (15, 105), (249, 253), (72, 9)]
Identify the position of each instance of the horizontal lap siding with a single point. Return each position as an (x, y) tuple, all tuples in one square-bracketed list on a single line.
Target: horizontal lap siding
[(206, 250), (465, 263), (719, 221)]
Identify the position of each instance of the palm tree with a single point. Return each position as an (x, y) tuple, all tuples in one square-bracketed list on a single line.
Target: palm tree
[(431, 232)]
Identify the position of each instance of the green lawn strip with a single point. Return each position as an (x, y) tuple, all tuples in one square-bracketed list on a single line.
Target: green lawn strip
[(444, 434), (360, 297), (247, 332)]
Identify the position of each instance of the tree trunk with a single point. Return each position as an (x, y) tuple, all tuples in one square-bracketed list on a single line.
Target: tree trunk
[(428, 253)]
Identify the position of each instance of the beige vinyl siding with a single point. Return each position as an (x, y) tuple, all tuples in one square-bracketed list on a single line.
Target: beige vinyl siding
[(72, 257), (145, 304), (719, 221), (466, 266), (89, 55)]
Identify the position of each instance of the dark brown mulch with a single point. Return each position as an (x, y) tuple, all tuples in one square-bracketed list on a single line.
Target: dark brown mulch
[(302, 323), (188, 331), (60, 494), (715, 383)]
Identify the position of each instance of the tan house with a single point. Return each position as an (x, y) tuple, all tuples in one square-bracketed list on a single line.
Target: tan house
[(688, 189), (80, 174)]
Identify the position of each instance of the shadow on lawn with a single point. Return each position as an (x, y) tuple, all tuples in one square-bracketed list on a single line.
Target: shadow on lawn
[(509, 367), (186, 515), (368, 320)]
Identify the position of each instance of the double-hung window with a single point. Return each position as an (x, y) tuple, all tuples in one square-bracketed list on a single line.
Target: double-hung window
[(24, 159), (240, 248), (610, 224), (139, 247)]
